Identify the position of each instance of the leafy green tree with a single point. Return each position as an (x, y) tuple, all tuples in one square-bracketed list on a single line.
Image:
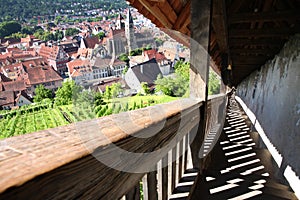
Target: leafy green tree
[(182, 69), (214, 83), (116, 89), (71, 32), (136, 52), (101, 35), (145, 88), (176, 86), (124, 57), (59, 35), (27, 30), (107, 93), (65, 94), (42, 93), (17, 35), (8, 28)]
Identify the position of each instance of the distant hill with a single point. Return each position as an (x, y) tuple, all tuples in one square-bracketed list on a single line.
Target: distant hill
[(27, 9)]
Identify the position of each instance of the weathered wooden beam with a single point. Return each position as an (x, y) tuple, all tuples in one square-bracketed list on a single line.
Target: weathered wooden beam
[(264, 16), (200, 33), (235, 6), (184, 18), (134, 193), (255, 42), (160, 1), (168, 11), (219, 23), (150, 186), (156, 12), (269, 51), (271, 32), (70, 162), (249, 60)]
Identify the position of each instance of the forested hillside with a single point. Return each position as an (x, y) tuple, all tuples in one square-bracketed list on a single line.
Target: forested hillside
[(27, 9)]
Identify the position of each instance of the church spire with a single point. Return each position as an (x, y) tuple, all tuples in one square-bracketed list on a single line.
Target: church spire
[(129, 32)]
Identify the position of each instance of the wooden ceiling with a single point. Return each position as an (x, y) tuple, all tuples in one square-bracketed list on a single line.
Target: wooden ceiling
[(244, 33)]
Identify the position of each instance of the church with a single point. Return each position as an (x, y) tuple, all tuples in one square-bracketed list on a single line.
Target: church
[(122, 38)]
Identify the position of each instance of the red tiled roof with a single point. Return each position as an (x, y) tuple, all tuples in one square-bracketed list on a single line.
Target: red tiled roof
[(42, 74), (90, 42), (77, 67), (6, 98), (49, 52), (3, 78), (17, 68), (159, 56), (14, 85)]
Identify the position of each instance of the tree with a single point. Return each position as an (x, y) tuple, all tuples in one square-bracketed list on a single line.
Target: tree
[(8, 28), (65, 94), (116, 89), (124, 57), (213, 83), (42, 93), (182, 69), (71, 32), (176, 86), (17, 35), (145, 88), (101, 35)]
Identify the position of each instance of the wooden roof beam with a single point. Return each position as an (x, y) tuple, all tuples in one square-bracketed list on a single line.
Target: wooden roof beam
[(264, 16), (184, 18), (256, 42), (168, 11), (280, 32), (159, 1), (271, 51), (156, 12), (219, 24)]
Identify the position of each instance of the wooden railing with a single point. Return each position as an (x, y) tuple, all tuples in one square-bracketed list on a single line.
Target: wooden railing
[(104, 158)]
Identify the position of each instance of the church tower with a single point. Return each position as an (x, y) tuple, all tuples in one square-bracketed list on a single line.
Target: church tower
[(119, 23), (129, 32)]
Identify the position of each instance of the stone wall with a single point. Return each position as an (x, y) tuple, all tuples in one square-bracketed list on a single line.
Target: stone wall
[(273, 95)]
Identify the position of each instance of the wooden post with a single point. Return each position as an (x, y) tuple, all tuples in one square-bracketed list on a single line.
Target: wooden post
[(200, 33), (165, 178), (180, 160), (134, 193), (173, 174), (150, 186)]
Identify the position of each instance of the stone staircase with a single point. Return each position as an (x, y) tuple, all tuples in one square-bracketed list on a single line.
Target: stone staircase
[(240, 170)]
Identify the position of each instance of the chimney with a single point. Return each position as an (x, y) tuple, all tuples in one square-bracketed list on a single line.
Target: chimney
[(142, 69)]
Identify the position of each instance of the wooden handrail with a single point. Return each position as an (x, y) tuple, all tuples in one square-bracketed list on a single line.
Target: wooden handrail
[(63, 162)]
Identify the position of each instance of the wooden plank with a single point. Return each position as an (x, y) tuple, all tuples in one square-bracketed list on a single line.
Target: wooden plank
[(165, 178), (270, 32), (156, 12), (255, 42), (159, 1), (264, 16), (134, 193), (184, 18), (173, 174), (268, 51), (168, 11), (235, 5), (61, 162), (150, 186), (200, 34), (219, 23), (180, 160), (186, 146)]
